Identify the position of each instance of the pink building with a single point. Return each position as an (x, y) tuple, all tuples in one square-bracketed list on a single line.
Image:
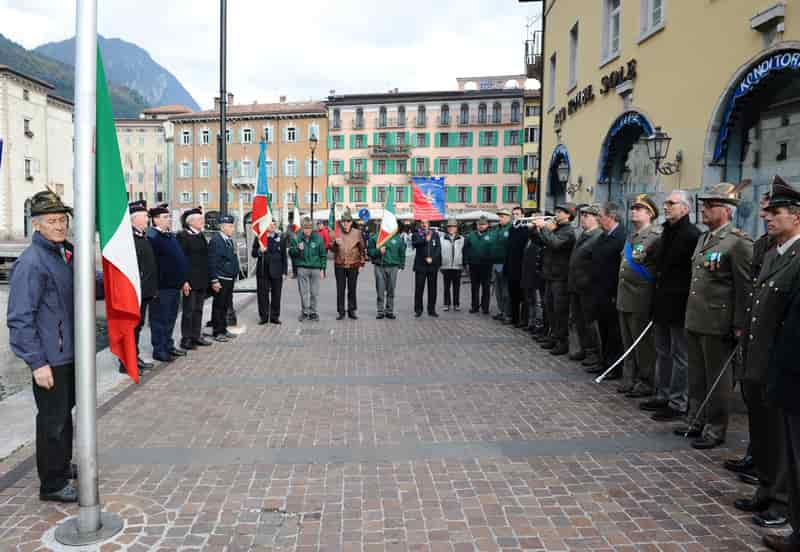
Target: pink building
[(473, 139)]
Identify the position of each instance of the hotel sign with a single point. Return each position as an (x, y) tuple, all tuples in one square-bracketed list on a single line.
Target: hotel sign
[(612, 80)]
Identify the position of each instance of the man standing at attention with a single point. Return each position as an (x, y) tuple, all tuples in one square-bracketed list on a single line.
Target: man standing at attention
[(310, 257)]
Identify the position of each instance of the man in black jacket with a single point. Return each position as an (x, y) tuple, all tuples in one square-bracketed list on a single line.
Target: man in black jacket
[(559, 239), (673, 278), (428, 259), (195, 247), (148, 273), (271, 270), (606, 258), (223, 268), (517, 240)]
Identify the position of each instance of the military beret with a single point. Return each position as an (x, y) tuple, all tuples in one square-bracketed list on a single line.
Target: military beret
[(226, 219), (137, 206), (47, 202), (159, 209)]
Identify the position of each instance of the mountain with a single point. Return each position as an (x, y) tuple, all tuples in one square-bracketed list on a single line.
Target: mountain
[(124, 101), (131, 66)]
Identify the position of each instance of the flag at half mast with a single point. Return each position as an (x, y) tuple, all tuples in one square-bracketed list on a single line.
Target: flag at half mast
[(120, 269), (262, 213), (389, 220)]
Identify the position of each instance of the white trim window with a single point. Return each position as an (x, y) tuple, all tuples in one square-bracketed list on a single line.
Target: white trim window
[(186, 197), (270, 166), (205, 197), (612, 23), (290, 167), (247, 136), (337, 167), (185, 170), (651, 17), (246, 168), (290, 134), (186, 137), (573, 57), (308, 198), (290, 197), (551, 84), (205, 137), (313, 130), (205, 169)]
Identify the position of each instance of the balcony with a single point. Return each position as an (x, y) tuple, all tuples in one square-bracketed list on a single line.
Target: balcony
[(244, 182), (390, 122), (421, 122), (390, 151), (421, 173), (444, 121), (357, 124), (533, 56), (356, 177)]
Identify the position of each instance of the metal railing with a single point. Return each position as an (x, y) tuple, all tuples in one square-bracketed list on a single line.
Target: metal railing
[(356, 176), (357, 124), (444, 121), (390, 151), (390, 122)]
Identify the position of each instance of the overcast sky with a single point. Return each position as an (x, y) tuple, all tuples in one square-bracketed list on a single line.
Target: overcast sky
[(301, 49)]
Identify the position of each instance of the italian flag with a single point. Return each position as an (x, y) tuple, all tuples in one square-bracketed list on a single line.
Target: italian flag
[(120, 267), (389, 221)]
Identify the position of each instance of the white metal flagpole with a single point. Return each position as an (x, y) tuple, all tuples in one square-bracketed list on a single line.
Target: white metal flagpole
[(91, 525)]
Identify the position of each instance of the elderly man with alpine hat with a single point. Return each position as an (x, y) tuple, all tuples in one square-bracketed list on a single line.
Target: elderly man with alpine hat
[(148, 273), (478, 255), (388, 259), (41, 323), (716, 315), (637, 283), (195, 247), (500, 236), (223, 268), (310, 257), (558, 238), (350, 255)]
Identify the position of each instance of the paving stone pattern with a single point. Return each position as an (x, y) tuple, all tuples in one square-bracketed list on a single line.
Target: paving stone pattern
[(453, 434)]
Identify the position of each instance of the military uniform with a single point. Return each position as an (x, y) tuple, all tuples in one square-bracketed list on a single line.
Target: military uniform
[(717, 295), (478, 255), (500, 237), (579, 286), (637, 271)]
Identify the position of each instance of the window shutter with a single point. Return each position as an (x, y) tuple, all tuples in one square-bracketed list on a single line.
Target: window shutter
[(351, 193), (374, 166), (452, 194), (455, 139), (452, 166), (284, 135), (330, 142), (482, 138), (469, 166), (374, 138), (328, 193), (470, 139), (438, 139), (374, 194), (352, 141), (519, 140), (391, 138), (407, 136), (506, 138), (469, 194), (494, 165), (330, 166), (494, 193), (506, 165), (391, 166), (427, 164)]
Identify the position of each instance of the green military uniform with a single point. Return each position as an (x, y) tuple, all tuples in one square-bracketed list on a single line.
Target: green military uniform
[(634, 303), (313, 254), (717, 297), (310, 260), (386, 267), (500, 236), (478, 255)]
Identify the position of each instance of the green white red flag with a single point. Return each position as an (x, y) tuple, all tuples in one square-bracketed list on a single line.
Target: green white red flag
[(120, 268), (388, 222)]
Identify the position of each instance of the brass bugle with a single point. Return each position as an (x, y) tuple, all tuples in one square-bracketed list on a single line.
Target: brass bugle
[(531, 220)]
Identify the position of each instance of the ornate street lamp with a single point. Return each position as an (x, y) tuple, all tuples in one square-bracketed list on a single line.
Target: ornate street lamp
[(563, 172), (657, 149), (314, 141)]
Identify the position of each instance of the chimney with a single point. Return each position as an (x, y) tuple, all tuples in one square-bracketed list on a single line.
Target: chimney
[(283, 99)]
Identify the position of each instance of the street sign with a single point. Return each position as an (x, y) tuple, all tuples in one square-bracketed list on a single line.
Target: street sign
[(363, 214)]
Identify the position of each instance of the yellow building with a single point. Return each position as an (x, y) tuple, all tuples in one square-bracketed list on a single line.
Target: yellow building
[(530, 149), (721, 79)]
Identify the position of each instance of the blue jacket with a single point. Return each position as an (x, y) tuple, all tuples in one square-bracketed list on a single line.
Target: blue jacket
[(172, 265), (40, 305), (223, 262)]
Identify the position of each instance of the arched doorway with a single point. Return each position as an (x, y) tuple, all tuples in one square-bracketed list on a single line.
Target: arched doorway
[(624, 167), (556, 190), (754, 132)]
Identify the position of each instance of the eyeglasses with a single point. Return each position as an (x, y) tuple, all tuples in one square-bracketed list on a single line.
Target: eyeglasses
[(670, 203)]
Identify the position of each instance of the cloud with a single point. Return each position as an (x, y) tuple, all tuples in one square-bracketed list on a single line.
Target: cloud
[(301, 49)]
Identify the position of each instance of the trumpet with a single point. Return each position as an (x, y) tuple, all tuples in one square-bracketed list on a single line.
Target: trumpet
[(527, 221)]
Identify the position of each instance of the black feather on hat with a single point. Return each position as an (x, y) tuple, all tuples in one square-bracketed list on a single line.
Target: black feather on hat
[(47, 202), (160, 209), (137, 206)]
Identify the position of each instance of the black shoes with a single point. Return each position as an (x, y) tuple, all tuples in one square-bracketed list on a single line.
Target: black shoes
[(262, 322), (560, 348), (474, 311), (68, 494), (597, 369), (547, 344), (705, 443), (303, 317), (740, 465), (686, 431), (391, 316), (638, 394), (313, 316), (275, 321), (187, 345), (177, 352), (202, 342), (655, 405), (577, 356), (164, 358), (433, 314), (457, 308), (446, 308), (770, 520), (667, 415), (352, 315), (750, 505), (221, 338), (749, 479), (417, 314), (340, 316), (379, 316)]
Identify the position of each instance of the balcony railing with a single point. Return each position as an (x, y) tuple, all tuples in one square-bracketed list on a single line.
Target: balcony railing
[(244, 182), (390, 151), (490, 119), (424, 172), (445, 121), (421, 122), (357, 124), (356, 176), (390, 122), (336, 124)]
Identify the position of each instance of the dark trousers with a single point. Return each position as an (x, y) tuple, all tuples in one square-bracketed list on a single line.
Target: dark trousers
[(792, 428), (54, 429), (192, 315), (142, 315), (452, 286), (610, 336), (515, 298), (583, 316), (707, 356), (556, 303), (420, 279), (480, 282), (163, 315), (223, 300), (346, 278), (269, 298), (768, 446)]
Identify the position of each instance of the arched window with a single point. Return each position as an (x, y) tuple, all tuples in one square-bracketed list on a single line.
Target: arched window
[(515, 114), (382, 117), (401, 116), (497, 111), (445, 114), (421, 117), (359, 122), (463, 118), (482, 113)]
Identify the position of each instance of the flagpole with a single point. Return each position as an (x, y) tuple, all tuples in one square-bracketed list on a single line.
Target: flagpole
[(91, 525)]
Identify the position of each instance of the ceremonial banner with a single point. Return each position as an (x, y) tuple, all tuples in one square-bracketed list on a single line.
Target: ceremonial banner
[(429, 198), (388, 222), (262, 215)]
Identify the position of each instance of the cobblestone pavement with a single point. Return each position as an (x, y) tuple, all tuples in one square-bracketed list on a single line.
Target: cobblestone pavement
[(452, 434)]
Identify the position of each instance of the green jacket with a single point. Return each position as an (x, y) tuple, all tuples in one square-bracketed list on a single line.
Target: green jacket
[(478, 248), (395, 252), (500, 236), (313, 255)]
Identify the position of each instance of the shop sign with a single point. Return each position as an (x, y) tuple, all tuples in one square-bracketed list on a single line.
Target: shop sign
[(615, 78), (586, 95)]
